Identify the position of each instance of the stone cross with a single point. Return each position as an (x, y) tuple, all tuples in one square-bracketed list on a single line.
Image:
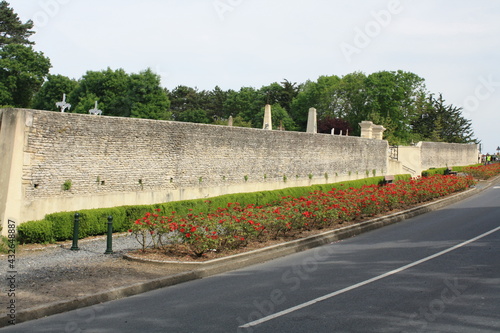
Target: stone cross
[(63, 105), (95, 110)]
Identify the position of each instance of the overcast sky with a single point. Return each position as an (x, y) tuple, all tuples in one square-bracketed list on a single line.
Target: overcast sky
[(453, 44)]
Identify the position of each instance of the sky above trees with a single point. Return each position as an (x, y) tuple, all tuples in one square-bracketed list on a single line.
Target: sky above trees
[(238, 43)]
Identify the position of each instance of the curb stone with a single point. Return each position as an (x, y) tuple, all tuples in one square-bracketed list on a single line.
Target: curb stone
[(221, 265)]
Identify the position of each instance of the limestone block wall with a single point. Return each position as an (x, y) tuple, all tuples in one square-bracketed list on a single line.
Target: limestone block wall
[(67, 161), (440, 154)]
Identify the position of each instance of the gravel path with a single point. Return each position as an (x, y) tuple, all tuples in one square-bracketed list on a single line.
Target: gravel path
[(52, 273), (90, 251)]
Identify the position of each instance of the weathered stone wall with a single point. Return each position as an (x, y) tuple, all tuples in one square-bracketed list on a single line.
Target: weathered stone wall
[(114, 161), (108, 154), (440, 154)]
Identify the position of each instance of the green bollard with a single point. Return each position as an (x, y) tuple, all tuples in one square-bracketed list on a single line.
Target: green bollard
[(109, 248), (76, 226)]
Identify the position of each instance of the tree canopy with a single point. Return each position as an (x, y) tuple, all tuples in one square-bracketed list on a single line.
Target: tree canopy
[(12, 30), (22, 69)]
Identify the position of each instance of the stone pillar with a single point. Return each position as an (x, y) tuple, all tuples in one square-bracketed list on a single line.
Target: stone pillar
[(230, 121), (268, 123), (378, 132), (312, 121), (366, 129)]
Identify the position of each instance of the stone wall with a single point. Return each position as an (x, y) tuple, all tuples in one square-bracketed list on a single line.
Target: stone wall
[(110, 161), (440, 154)]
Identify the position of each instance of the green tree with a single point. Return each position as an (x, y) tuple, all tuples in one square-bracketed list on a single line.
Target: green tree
[(122, 95), (351, 101), (307, 97), (320, 95), (391, 101), (439, 121), (194, 116), (22, 73), (183, 98), (148, 99), (246, 103), (52, 92), (87, 102), (12, 30), (22, 70), (215, 104), (289, 92)]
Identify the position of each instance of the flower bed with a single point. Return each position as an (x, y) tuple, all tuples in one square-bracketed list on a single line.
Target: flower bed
[(231, 228), (483, 171)]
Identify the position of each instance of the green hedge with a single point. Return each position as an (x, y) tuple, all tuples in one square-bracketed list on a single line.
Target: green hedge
[(59, 226), (442, 171)]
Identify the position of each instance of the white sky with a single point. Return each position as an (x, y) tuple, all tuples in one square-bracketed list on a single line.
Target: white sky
[(453, 44)]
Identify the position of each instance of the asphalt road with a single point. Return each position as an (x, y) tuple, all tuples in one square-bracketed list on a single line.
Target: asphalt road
[(438, 272)]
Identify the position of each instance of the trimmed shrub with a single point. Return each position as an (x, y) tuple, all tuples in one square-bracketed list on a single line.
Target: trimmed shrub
[(35, 232)]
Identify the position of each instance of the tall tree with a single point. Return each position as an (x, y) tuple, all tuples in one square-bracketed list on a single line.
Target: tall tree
[(245, 103), (22, 73), (290, 91), (148, 99), (111, 87), (320, 95), (351, 101), (215, 104), (183, 98), (120, 94), (12, 30), (391, 101), (439, 121), (22, 70)]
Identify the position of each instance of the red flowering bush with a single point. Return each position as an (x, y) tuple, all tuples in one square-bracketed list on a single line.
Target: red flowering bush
[(150, 230), (235, 225), (483, 171)]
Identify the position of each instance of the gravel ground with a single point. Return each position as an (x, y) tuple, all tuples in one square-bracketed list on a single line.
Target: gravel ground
[(90, 251), (54, 273)]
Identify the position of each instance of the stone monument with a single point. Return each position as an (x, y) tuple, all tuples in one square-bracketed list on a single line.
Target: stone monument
[(268, 123), (312, 121)]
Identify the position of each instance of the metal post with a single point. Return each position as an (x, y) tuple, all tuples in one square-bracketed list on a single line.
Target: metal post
[(109, 248), (76, 226)]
